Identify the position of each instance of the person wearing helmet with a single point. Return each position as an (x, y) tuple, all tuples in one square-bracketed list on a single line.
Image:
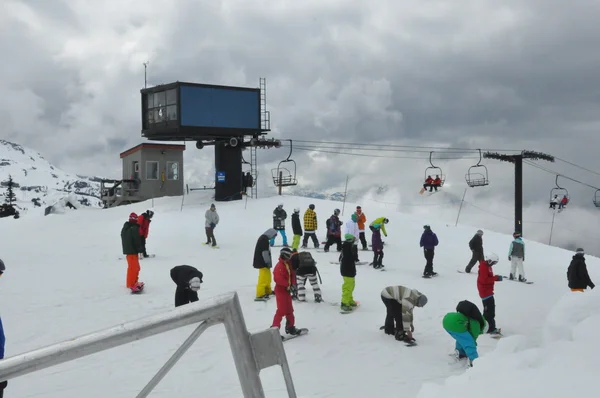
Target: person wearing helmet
[(285, 286), (465, 326), (310, 227), (188, 280), (476, 246), (296, 228), (263, 262), (382, 221), (334, 231), (144, 221), (279, 217), (131, 241), (485, 285), (400, 302), (348, 272)]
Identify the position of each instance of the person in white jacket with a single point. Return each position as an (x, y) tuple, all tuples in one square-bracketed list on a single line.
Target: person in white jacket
[(352, 229), (211, 219)]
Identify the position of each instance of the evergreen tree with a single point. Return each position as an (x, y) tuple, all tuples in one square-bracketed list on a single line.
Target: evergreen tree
[(10, 196)]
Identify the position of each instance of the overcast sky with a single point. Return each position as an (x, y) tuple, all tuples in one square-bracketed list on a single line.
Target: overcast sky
[(476, 74)]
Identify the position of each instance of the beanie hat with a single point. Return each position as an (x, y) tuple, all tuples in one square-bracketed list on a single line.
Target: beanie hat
[(133, 217), (422, 300), (195, 283), (479, 232), (349, 237), (212, 206), (580, 251), (354, 217), (311, 206), (426, 227)]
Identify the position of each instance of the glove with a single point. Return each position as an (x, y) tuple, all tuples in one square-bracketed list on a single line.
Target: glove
[(294, 290), (499, 278), (509, 258), (592, 286)]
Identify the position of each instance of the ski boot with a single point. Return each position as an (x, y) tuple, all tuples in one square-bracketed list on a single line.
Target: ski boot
[(346, 307), (521, 279), (318, 298)]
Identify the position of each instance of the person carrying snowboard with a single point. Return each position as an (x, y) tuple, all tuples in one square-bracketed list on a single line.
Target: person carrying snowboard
[(399, 303), (362, 219), (476, 246), (348, 272), (352, 229), (577, 273), (285, 282), (211, 219), (144, 221), (310, 227), (465, 325), (263, 262), (485, 285), (334, 231), (516, 256), (305, 267), (131, 240), (279, 217), (377, 246), (429, 241), (296, 228), (188, 280)]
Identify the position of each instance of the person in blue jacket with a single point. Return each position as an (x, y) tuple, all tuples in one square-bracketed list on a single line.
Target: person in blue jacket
[(429, 241)]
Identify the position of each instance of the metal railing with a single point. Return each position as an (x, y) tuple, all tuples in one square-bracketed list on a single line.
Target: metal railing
[(252, 352)]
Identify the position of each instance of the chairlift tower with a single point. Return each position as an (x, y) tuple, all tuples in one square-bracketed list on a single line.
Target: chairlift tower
[(517, 160)]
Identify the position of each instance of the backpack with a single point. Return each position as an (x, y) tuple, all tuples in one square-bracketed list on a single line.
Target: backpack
[(306, 260), (471, 311)]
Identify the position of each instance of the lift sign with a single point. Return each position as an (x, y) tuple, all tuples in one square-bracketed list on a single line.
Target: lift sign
[(220, 176)]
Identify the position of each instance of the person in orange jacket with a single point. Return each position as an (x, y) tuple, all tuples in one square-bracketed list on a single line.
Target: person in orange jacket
[(285, 285), (144, 222), (362, 219)]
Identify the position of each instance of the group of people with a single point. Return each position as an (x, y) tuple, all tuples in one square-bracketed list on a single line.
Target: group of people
[(560, 202), (432, 183)]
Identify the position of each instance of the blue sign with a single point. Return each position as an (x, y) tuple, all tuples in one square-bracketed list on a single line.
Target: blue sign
[(220, 176)]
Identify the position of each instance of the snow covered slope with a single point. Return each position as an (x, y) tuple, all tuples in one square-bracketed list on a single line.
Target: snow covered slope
[(39, 183), (65, 280)]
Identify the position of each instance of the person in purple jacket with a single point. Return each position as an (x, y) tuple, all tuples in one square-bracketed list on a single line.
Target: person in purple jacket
[(429, 241), (377, 245)]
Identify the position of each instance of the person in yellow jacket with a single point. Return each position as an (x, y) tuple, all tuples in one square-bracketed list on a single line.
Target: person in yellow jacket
[(310, 227), (381, 221)]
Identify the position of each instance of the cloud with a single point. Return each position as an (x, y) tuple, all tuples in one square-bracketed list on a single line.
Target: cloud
[(474, 73)]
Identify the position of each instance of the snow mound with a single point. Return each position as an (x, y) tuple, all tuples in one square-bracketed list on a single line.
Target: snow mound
[(564, 364)]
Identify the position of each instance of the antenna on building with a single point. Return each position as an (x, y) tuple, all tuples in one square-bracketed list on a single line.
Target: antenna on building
[(145, 74)]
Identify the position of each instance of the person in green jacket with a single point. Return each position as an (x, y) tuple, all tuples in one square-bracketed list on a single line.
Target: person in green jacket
[(465, 325), (381, 221)]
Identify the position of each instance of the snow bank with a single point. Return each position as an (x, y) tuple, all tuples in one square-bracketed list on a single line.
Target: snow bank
[(565, 364)]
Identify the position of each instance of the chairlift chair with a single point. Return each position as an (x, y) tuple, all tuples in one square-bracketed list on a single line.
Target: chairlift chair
[(283, 176), (559, 191), (477, 176), (597, 198), (433, 171)]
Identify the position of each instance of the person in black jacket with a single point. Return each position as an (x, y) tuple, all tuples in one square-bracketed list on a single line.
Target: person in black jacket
[(263, 262), (577, 273), (296, 229), (279, 217), (188, 280), (476, 246), (348, 272)]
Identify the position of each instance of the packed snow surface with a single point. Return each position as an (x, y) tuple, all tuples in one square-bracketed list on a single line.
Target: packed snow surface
[(64, 278)]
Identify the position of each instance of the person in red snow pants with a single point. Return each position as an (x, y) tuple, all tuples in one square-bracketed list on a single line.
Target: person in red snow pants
[(285, 282)]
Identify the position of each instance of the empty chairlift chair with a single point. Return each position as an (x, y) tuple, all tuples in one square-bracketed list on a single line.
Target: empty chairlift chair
[(285, 173), (477, 176)]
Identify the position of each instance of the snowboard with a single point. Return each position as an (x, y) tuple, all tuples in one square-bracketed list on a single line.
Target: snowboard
[(352, 310), (408, 344), (212, 247), (429, 276), (287, 337), (497, 335), (516, 280), (358, 263), (142, 285), (141, 258)]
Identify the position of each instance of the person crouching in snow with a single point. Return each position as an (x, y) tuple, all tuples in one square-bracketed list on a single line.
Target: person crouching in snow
[(264, 263), (305, 267), (188, 280), (131, 240), (399, 304), (485, 285), (285, 282), (465, 325), (377, 246), (144, 222), (348, 272)]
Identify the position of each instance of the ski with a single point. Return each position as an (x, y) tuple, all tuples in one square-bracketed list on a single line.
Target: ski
[(358, 263), (287, 337), (149, 256), (516, 280)]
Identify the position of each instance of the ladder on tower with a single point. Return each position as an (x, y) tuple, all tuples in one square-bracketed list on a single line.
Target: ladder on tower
[(265, 115), (253, 173)]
